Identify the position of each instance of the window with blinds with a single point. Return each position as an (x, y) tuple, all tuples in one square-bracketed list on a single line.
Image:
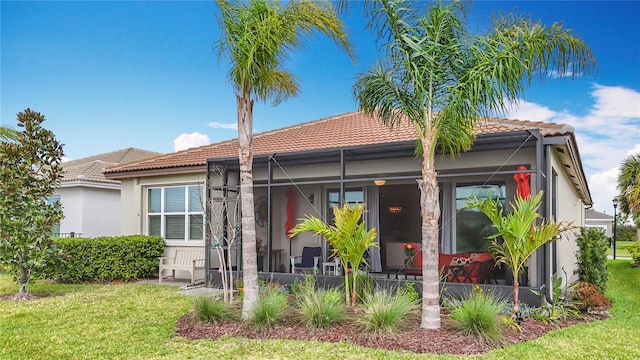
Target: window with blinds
[(176, 212)]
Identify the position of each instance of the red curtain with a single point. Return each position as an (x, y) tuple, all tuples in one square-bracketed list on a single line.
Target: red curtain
[(290, 223), (523, 188)]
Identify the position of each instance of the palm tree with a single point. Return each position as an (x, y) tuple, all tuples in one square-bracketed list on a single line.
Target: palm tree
[(442, 80), (7, 133), (520, 233), (348, 237), (257, 37), (629, 188)]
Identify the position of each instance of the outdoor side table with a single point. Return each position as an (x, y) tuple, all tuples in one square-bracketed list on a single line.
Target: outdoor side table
[(331, 268)]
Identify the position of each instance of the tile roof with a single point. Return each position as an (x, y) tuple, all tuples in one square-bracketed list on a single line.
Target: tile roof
[(92, 168), (344, 130), (596, 215)]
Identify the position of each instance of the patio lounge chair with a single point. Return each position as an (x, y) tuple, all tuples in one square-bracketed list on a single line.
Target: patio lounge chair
[(310, 259)]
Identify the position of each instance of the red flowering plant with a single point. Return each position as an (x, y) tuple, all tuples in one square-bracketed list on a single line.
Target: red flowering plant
[(409, 251)]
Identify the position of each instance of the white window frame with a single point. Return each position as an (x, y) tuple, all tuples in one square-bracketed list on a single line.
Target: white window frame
[(163, 214)]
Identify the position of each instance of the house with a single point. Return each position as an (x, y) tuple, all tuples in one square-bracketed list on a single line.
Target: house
[(354, 157), (600, 220), (90, 201)]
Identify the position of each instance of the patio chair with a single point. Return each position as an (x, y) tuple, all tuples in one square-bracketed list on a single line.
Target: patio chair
[(309, 259)]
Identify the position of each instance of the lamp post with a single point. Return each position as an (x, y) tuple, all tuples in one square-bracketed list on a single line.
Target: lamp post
[(615, 221)]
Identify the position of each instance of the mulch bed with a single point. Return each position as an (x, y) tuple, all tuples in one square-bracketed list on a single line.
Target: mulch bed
[(445, 340)]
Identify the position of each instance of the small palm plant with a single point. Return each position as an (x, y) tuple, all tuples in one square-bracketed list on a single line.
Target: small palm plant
[(520, 233), (349, 239)]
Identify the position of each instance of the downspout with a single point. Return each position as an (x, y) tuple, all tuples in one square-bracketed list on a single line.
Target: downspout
[(541, 181), (269, 214), (208, 282), (547, 214), (342, 171)]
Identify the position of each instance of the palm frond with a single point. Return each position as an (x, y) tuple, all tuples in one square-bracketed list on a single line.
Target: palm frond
[(259, 35)]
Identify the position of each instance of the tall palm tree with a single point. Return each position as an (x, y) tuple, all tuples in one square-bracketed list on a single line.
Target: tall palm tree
[(256, 37), (442, 79), (629, 188)]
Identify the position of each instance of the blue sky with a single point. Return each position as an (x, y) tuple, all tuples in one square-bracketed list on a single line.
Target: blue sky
[(110, 75)]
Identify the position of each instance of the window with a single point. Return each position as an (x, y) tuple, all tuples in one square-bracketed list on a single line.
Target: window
[(472, 226), (352, 196), (55, 230), (176, 212)]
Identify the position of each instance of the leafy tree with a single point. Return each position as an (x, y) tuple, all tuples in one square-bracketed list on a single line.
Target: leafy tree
[(29, 173), (520, 233), (629, 187), (348, 237), (256, 37), (444, 80)]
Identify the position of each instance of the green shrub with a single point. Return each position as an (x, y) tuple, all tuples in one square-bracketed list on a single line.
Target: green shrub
[(479, 314), (213, 309), (410, 291), (592, 256), (108, 258), (364, 285), (634, 250), (304, 287), (321, 309), (626, 232), (563, 302), (270, 309), (386, 312)]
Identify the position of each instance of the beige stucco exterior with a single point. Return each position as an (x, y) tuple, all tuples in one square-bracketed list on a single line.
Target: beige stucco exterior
[(311, 199)]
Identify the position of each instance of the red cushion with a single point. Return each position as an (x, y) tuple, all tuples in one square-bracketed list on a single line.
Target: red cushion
[(417, 259)]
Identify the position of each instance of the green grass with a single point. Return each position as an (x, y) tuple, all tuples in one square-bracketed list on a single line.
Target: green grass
[(132, 321), (615, 338), (621, 249)]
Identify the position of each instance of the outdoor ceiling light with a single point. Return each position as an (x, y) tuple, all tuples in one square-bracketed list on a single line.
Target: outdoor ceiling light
[(379, 182)]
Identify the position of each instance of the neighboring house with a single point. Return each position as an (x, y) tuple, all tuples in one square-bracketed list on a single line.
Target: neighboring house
[(600, 220), (90, 201), (345, 156)]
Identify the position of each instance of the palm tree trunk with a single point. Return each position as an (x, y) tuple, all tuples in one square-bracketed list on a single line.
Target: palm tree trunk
[(347, 292), (516, 294), (430, 214), (249, 255)]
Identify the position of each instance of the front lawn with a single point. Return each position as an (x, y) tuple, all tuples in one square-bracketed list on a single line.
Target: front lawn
[(137, 321), (622, 249)]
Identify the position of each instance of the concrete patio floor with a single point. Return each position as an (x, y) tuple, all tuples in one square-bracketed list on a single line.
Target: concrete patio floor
[(185, 287)]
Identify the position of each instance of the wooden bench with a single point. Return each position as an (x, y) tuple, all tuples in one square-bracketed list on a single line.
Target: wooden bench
[(184, 259)]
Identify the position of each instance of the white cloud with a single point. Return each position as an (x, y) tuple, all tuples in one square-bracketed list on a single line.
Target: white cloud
[(65, 159), (229, 126), (635, 150), (524, 110), (603, 189), (616, 101), (186, 141), (609, 132)]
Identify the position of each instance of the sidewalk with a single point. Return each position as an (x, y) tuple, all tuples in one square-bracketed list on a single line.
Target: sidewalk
[(185, 287)]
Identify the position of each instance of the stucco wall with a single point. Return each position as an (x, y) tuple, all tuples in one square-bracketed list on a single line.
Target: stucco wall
[(570, 209), (101, 208), (90, 211), (71, 200), (133, 211)]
